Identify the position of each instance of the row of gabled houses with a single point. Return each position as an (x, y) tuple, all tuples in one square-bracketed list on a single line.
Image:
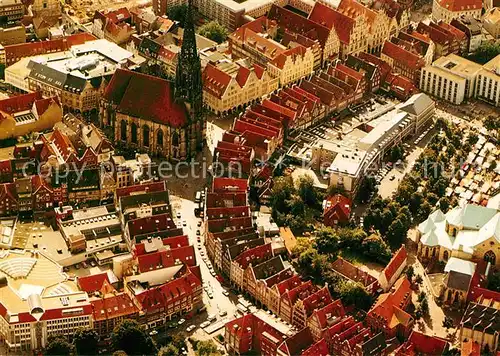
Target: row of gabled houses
[(329, 330)]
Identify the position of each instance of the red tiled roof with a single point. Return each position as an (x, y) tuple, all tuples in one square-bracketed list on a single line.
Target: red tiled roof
[(144, 96), (298, 343), (150, 224), (337, 207), (259, 70), (171, 242), (299, 24), (223, 184), (43, 104), (421, 344), (166, 258), (389, 306), (395, 263), (52, 314), (461, 5), (18, 103), (280, 60), (353, 9), (401, 55), (92, 283), (333, 309), (37, 182), (5, 166), (150, 187), (318, 299), (249, 329), (119, 15), (169, 293), (288, 284), (29, 49), (254, 255), (113, 306), (383, 66), (318, 349), (328, 17), (215, 81), (401, 86), (242, 76)]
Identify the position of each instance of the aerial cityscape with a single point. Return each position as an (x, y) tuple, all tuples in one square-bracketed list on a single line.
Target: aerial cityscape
[(250, 177)]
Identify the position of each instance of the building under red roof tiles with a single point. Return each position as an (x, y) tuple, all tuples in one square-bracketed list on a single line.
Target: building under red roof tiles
[(422, 344), (149, 187), (333, 19), (93, 283), (337, 210), (14, 53), (254, 255), (215, 81), (166, 258), (394, 269), (297, 23), (113, 306), (145, 97), (229, 185), (388, 313), (250, 333), (320, 348), (150, 224), (461, 5), (297, 344)]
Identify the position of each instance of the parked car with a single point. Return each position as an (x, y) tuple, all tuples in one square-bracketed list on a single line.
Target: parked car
[(222, 313), (184, 223), (154, 332), (225, 292), (205, 324), (190, 328), (212, 317), (178, 215), (182, 321)]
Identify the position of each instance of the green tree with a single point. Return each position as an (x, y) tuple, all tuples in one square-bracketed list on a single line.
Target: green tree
[(303, 244), (351, 238), (494, 281), (447, 322), (485, 52), (131, 337), (472, 139), (169, 350), (307, 192), (58, 346), (396, 234), (376, 248), (397, 153), (279, 34), (418, 279), (281, 193), (207, 348), (444, 204), (177, 13), (327, 241), (410, 272), (424, 306), (354, 294), (366, 189), (86, 341), (214, 31)]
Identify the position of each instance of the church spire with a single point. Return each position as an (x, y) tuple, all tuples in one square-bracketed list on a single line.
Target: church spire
[(188, 84), (188, 78)]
